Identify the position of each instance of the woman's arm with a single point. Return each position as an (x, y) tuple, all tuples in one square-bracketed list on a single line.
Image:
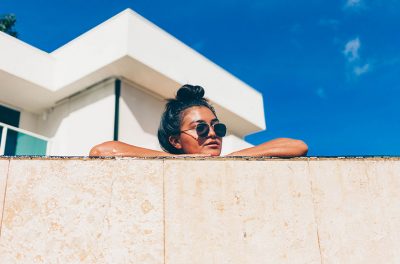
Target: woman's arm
[(280, 147), (116, 148)]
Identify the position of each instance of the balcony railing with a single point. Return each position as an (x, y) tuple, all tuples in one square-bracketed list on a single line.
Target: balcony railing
[(19, 142)]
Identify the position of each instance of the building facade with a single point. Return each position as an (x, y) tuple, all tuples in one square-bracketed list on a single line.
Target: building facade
[(110, 84)]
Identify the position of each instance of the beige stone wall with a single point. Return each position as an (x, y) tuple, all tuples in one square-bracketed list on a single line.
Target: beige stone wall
[(184, 211)]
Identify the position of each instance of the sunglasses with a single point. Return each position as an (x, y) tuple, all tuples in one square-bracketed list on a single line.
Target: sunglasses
[(202, 129)]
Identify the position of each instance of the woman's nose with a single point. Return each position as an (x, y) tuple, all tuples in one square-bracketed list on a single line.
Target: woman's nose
[(211, 133)]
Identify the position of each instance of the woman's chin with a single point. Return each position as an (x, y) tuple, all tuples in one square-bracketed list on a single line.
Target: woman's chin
[(212, 151)]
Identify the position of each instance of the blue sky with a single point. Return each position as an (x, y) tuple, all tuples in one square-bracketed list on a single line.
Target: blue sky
[(329, 70)]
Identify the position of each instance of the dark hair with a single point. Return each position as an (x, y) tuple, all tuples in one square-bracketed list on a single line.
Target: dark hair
[(170, 124)]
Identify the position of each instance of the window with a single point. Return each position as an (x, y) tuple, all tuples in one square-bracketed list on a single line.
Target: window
[(15, 141), (10, 117)]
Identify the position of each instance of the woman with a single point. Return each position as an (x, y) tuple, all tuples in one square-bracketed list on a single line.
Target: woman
[(189, 125)]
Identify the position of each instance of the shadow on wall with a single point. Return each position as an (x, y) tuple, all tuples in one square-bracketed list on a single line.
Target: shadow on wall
[(86, 119), (54, 118), (139, 116), (140, 110)]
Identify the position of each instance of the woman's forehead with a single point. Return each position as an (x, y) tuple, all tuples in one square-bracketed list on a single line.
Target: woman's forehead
[(198, 113)]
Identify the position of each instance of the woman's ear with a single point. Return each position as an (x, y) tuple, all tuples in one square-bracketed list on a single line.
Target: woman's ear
[(175, 141)]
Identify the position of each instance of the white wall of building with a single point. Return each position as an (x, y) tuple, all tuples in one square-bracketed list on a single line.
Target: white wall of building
[(139, 117), (29, 121), (233, 143), (80, 122)]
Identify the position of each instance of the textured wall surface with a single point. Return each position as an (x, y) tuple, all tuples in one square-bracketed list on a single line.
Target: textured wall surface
[(3, 181), (181, 211), (72, 211)]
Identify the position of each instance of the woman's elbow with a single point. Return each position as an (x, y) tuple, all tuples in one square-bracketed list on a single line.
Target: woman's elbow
[(301, 147), (291, 147)]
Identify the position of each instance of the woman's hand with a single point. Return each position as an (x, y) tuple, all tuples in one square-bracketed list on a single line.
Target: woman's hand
[(280, 147)]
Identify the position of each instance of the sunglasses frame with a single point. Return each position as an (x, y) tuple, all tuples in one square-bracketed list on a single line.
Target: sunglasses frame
[(204, 134)]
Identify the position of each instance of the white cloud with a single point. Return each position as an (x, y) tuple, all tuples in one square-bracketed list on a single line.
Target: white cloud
[(360, 70), (351, 49), (355, 64), (353, 3)]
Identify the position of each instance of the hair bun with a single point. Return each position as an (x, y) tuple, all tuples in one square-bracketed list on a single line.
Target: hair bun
[(189, 92)]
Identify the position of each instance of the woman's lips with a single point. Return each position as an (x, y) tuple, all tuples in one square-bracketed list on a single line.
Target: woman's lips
[(213, 144)]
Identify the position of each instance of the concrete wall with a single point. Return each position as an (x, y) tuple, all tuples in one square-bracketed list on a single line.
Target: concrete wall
[(200, 211)]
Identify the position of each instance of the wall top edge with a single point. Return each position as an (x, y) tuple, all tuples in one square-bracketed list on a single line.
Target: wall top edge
[(241, 158)]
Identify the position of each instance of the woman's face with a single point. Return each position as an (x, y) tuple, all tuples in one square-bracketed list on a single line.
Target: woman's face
[(189, 141)]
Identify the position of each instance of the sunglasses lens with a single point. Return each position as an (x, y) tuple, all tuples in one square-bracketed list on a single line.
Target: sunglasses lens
[(202, 130), (220, 129)]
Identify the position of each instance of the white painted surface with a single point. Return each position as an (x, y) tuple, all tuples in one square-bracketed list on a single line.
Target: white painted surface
[(79, 123), (140, 115), (25, 61), (29, 121), (232, 143)]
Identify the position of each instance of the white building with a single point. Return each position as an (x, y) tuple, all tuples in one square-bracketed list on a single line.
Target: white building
[(110, 83)]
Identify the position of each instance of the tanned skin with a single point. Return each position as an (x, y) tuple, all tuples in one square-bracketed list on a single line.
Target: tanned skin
[(192, 145)]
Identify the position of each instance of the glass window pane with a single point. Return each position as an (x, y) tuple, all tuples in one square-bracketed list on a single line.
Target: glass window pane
[(1, 134), (9, 116), (11, 142), (18, 144)]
